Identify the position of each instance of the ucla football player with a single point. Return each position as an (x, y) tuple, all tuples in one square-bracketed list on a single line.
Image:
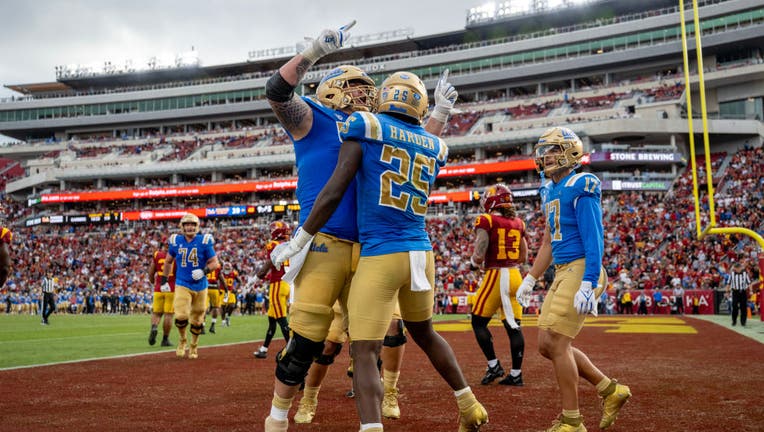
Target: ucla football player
[(193, 255), (325, 270), (573, 241), (501, 247), (395, 162)]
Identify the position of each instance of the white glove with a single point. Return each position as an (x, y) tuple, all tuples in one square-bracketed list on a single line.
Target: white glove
[(197, 274), (445, 98), (328, 41), (165, 287), (287, 250), (523, 294), (585, 302)]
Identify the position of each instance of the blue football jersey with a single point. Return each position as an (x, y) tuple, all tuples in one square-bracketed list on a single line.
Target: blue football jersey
[(189, 256), (574, 216), (316, 156), (400, 163)]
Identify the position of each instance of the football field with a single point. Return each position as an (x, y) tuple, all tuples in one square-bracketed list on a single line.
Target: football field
[(686, 374)]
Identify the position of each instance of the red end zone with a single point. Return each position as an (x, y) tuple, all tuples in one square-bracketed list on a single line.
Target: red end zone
[(685, 374)]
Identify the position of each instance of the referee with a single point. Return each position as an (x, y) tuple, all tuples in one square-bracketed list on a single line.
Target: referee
[(739, 285), (48, 296)]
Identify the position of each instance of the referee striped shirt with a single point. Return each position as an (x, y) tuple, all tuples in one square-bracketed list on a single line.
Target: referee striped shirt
[(48, 285), (740, 281)]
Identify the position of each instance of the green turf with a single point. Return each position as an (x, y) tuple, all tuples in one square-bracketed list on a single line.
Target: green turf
[(25, 342)]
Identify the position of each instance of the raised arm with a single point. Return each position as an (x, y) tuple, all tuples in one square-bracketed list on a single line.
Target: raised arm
[(293, 112)]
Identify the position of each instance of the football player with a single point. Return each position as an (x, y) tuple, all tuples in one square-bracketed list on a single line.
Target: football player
[(500, 247), (324, 275), (6, 236), (230, 276), (395, 162), (193, 255), (278, 290), (215, 291), (163, 296), (573, 241)]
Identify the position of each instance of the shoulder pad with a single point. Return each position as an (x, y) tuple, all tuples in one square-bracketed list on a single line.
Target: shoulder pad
[(483, 220), (361, 125), (174, 239), (208, 239), (585, 184)]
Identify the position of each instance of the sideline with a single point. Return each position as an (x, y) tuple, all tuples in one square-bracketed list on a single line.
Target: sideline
[(754, 327), (161, 351)]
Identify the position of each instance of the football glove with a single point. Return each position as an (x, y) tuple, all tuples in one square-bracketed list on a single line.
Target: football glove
[(445, 98), (286, 250), (197, 274), (328, 41), (585, 302), (165, 287), (523, 294)]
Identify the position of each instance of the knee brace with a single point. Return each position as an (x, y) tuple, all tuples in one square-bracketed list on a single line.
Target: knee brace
[(181, 323), (327, 359), (397, 340), (293, 362), (197, 329)]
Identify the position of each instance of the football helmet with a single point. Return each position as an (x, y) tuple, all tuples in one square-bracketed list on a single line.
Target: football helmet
[(227, 267), (403, 93), (558, 148), (347, 87), (279, 230), (189, 218), (497, 196)]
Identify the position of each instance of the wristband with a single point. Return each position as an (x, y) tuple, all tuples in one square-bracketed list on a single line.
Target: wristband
[(439, 116), (206, 270), (530, 277), (302, 238)]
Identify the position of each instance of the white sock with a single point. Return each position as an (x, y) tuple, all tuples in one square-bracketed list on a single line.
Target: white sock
[(492, 363), (214, 320), (278, 413), (458, 393), (368, 426), (263, 349), (515, 372)]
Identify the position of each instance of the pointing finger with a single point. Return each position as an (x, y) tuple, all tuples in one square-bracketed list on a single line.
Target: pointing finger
[(348, 26)]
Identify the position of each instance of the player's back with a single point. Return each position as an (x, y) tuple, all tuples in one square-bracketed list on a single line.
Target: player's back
[(400, 163), (504, 237)]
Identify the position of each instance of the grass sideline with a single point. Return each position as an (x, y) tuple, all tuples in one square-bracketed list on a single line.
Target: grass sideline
[(25, 342)]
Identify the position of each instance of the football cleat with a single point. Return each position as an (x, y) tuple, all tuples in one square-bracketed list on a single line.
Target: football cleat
[(261, 353), (612, 404), (306, 411), (166, 342), (153, 337), (273, 425), (492, 373), (390, 408), (512, 380), (192, 352), (212, 328), (350, 394), (559, 426), (471, 419), (180, 351)]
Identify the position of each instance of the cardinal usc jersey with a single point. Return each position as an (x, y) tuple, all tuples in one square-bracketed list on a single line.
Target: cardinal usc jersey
[(316, 155), (400, 163), (274, 275), (230, 278), (159, 258), (213, 279), (504, 236), (6, 236)]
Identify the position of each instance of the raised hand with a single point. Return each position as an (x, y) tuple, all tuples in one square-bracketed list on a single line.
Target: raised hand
[(445, 98), (327, 42)]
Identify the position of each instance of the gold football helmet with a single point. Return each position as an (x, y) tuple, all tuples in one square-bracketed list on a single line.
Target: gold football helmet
[(189, 219), (558, 148), (403, 93), (347, 87)]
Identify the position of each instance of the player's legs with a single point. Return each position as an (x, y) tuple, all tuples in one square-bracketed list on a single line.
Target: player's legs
[(516, 338), (324, 279), (196, 319), (393, 347), (168, 312), (485, 304), (214, 301), (182, 307)]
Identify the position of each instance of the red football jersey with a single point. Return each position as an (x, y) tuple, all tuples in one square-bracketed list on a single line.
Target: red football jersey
[(6, 236), (273, 275), (504, 236), (229, 278), (159, 259), (212, 279)]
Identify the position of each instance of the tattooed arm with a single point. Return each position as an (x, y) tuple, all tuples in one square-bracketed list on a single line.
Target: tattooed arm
[(293, 112), (481, 246)]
